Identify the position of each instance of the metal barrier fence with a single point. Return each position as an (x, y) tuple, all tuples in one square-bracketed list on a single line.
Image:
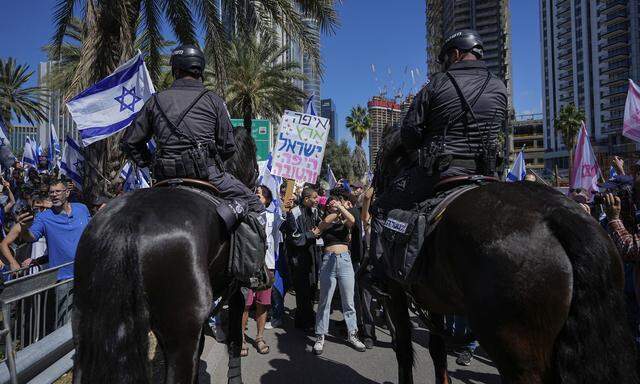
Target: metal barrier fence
[(29, 311)]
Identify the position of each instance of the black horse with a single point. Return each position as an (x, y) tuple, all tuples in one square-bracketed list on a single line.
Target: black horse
[(538, 279), (154, 260)]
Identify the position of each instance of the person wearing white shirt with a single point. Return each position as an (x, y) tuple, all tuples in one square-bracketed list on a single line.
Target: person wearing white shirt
[(262, 299)]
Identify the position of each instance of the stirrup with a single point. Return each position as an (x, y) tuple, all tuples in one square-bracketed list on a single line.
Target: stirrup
[(374, 286)]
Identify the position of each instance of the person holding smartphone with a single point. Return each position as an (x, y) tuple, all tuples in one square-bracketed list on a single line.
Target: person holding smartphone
[(336, 268)]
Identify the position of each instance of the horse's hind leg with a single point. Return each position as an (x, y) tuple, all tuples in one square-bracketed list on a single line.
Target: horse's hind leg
[(438, 352), (178, 318), (399, 312), (181, 352), (234, 336)]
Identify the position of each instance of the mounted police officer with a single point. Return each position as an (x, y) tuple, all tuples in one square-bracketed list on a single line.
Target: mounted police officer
[(192, 130), (452, 124)]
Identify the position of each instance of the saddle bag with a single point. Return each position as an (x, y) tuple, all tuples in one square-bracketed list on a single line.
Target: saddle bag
[(403, 237), (248, 250)]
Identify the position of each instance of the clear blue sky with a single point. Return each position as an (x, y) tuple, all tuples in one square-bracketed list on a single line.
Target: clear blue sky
[(389, 35)]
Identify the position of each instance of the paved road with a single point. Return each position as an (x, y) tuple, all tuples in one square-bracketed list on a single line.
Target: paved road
[(292, 362)]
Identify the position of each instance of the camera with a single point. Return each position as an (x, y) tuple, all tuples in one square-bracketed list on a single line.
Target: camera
[(23, 210), (620, 186)]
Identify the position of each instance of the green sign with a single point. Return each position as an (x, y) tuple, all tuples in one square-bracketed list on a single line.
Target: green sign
[(262, 135)]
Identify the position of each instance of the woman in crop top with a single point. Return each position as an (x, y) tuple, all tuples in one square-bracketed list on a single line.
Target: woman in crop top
[(336, 268)]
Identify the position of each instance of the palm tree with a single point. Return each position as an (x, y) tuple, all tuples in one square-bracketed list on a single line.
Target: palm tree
[(111, 26), (569, 123), (257, 83), (359, 124), (61, 76), (25, 103)]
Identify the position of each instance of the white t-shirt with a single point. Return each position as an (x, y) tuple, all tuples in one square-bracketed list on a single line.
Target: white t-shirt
[(270, 257), (38, 250)]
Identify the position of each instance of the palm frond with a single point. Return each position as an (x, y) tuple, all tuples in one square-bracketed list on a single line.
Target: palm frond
[(284, 14), (151, 40), (180, 19), (25, 103), (323, 11), (216, 44), (62, 16)]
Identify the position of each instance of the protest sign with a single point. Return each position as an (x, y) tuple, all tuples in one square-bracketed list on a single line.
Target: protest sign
[(300, 147)]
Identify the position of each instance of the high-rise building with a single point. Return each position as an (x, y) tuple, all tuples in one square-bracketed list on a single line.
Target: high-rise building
[(328, 111), (490, 18), (18, 136), (383, 113), (527, 134), (404, 107), (311, 83), (589, 50), (57, 113)]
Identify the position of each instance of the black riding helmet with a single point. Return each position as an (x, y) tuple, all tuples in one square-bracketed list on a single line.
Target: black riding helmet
[(466, 40), (188, 58)]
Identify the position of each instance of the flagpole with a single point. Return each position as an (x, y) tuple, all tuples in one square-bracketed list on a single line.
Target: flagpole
[(97, 171), (539, 178)]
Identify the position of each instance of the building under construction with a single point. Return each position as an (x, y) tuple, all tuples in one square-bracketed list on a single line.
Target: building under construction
[(489, 17)]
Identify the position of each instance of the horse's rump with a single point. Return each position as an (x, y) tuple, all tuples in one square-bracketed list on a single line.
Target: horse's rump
[(143, 254), (540, 281)]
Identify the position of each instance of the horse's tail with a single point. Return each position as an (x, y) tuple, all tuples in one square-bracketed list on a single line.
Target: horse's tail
[(111, 321), (595, 344)]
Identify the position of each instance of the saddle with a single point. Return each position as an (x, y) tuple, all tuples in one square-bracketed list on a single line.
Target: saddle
[(231, 212), (405, 231), (248, 238)]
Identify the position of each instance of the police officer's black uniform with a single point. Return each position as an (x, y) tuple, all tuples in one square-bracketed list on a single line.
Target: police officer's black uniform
[(454, 121), (192, 131)]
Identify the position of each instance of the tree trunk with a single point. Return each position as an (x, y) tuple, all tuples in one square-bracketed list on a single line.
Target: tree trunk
[(95, 158), (111, 36), (247, 117), (570, 165)]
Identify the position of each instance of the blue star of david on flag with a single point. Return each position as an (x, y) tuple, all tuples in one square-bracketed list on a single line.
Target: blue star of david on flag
[(134, 99), (110, 105)]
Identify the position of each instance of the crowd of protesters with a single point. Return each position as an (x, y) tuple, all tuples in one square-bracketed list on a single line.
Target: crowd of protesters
[(41, 219), (316, 241), (323, 237)]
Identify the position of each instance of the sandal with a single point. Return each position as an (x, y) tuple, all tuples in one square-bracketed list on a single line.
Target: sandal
[(244, 352), (261, 346)]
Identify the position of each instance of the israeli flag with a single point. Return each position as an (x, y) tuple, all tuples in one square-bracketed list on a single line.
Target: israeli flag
[(73, 162), (309, 109), (331, 178), (612, 173), (6, 155), (270, 181), (29, 152), (39, 151), (4, 133), (346, 185), (134, 177), (110, 105), (151, 145), (519, 170), (54, 146)]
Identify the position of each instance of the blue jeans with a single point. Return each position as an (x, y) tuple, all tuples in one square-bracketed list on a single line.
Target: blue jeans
[(336, 268), (277, 305), (458, 327)]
